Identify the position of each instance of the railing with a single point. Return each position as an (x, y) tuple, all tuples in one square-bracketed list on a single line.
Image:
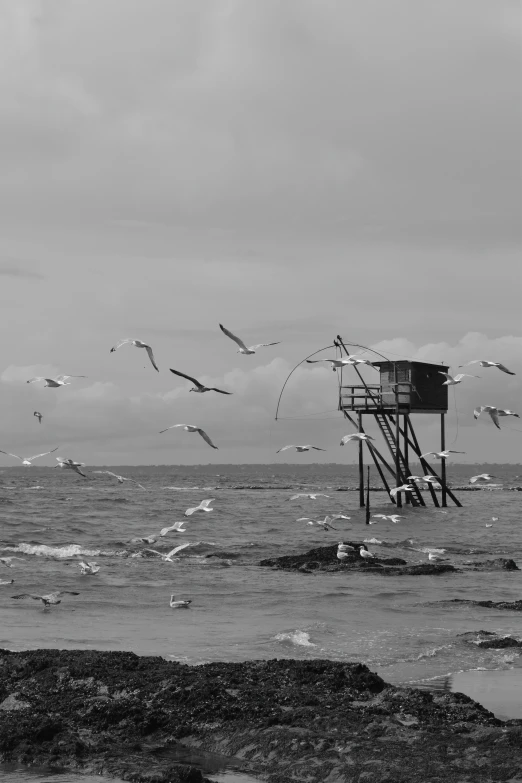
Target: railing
[(360, 397)]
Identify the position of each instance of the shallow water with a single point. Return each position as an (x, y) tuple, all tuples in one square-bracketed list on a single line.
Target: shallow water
[(402, 627)]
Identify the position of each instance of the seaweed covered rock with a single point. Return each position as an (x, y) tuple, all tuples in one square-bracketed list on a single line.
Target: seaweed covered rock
[(510, 606), (118, 714), (325, 559), (499, 564)]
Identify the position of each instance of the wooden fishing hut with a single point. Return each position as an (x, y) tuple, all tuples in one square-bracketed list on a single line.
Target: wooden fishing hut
[(405, 388)]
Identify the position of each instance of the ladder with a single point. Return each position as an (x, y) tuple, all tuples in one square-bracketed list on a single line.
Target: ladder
[(389, 437)]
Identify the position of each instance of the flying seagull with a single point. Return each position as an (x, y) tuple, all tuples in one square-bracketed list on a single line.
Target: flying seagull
[(28, 460), (71, 465), (198, 387), (178, 604), (324, 523), (355, 436), (394, 517), (177, 526), (336, 363), (502, 412), (457, 379), (491, 409), (168, 557), (311, 495), (192, 428), (242, 347), (428, 479), (50, 598), (485, 363), (300, 448), (481, 477), (203, 506), (138, 344), (120, 479), (441, 454), (402, 488), (38, 415), (60, 380)]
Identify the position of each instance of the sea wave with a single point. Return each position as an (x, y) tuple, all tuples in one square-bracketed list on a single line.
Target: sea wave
[(61, 552), (299, 638)]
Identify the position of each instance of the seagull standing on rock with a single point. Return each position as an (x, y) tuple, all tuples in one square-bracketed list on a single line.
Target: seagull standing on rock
[(365, 554), (242, 347)]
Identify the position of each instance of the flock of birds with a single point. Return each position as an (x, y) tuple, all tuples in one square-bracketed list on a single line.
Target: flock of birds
[(90, 568)]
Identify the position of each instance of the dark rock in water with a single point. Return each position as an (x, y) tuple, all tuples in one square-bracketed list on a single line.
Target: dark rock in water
[(118, 714), (490, 640), (512, 606), (500, 564), (325, 559), (224, 555)]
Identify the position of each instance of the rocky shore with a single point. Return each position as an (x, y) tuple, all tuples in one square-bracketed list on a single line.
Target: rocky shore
[(314, 721), (325, 559)]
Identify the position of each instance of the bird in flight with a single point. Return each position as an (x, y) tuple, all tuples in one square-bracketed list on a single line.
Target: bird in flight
[(168, 557), (180, 604), (247, 350), (203, 506), (402, 488), (198, 387), (481, 477), (138, 344), (177, 526), (28, 460), (50, 598), (120, 479), (38, 416), (441, 454), (192, 428), (485, 363), (457, 379), (491, 409), (355, 436), (324, 523), (428, 479), (60, 380), (71, 465), (337, 363), (394, 517), (300, 448), (311, 495)]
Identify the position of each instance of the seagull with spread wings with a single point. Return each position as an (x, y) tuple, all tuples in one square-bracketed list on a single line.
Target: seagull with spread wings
[(168, 557), (47, 600), (402, 488), (492, 410), (38, 416), (200, 388), (177, 526), (324, 523), (120, 479), (481, 477), (355, 436), (337, 363), (60, 380), (192, 428), (71, 465), (247, 350), (137, 344), (441, 454), (27, 461), (88, 568), (485, 363), (311, 495), (203, 506), (300, 448), (457, 379)]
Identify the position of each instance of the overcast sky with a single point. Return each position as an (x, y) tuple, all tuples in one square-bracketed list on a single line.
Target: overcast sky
[(293, 169)]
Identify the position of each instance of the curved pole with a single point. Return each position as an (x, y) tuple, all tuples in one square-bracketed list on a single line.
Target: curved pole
[(295, 368)]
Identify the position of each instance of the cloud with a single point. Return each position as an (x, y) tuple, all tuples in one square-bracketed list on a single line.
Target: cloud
[(18, 271)]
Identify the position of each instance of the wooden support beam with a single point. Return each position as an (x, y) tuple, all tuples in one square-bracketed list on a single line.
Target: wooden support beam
[(443, 461), (361, 465)]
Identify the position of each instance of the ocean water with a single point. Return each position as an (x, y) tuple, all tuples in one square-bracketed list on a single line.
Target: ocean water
[(405, 628)]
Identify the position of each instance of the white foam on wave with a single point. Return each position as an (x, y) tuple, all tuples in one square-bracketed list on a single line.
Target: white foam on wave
[(372, 541), (428, 549), (62, 552), (299, 638)]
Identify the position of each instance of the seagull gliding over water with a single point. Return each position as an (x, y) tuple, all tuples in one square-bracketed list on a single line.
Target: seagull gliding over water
[(203, 506), (28, 460), (300, 448), (121, 479), (39, 416), (71, 465), (47, 600)]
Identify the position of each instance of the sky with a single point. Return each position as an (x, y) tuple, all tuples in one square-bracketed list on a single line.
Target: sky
[(294, 170)]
